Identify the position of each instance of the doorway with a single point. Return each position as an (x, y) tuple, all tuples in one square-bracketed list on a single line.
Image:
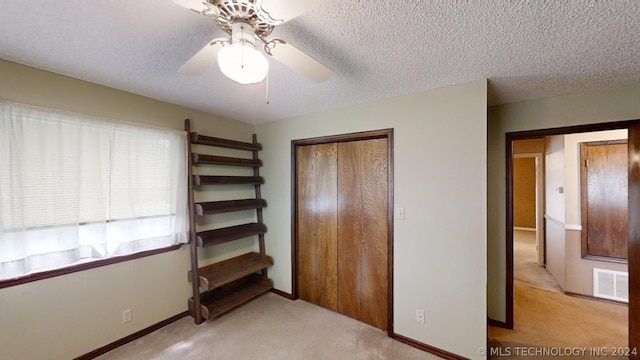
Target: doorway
[(342, 224), (633, 127), (529, 194)]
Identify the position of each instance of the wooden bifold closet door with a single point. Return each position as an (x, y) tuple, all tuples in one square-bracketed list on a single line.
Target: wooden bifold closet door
[(342, 230)]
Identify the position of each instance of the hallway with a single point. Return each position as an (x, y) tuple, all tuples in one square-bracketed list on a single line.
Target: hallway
[(546, 318)]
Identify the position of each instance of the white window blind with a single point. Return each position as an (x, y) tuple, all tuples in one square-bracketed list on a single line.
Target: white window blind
[(75, 188)]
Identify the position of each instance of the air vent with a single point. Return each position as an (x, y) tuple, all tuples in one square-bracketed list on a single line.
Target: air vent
[(612, 285)]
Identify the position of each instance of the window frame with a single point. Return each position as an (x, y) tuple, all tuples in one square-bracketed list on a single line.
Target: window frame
[(94, 262), (47, 274)]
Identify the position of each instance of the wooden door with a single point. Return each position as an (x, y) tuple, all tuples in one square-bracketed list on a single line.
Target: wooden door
[(362, 231), (342, 228), (317, 198), (604, 199)]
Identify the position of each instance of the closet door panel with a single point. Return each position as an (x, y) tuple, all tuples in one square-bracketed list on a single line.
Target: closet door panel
[(362, 231), (317, 224), (350, 229)]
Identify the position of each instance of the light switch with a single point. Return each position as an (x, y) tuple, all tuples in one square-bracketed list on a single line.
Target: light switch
[(400, 213)]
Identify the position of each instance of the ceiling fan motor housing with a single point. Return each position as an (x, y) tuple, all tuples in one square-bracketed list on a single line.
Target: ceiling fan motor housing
[(248, 11), (243, 32)]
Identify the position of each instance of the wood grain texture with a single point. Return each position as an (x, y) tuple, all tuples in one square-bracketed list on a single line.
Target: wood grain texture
[(362, 230), (604, 199), (317, 224)]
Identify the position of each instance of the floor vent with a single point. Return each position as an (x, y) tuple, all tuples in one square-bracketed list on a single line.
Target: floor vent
[(609, 284)]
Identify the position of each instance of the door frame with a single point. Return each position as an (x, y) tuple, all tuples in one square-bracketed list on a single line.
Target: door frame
[(633, 127), (365, 135)]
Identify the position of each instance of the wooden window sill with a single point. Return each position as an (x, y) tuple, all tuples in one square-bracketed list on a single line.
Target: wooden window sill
[(84, 266)]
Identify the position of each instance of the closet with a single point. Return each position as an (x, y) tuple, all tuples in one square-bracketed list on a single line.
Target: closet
[(343, 225)]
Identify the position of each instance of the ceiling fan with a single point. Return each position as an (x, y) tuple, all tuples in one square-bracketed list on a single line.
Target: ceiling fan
[(248, 22)]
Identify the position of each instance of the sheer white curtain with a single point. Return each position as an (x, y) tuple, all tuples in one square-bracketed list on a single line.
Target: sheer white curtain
[(75, 188)]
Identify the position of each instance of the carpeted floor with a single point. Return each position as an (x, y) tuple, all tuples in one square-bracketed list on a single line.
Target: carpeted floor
[(269, 327), (547, 320)]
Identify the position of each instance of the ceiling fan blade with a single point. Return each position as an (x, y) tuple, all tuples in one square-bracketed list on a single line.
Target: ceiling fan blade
[(288, 9), (196, 5), (203, 59), (302, 63)]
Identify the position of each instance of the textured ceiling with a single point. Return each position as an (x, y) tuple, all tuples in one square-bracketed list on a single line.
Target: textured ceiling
[(378, 49)]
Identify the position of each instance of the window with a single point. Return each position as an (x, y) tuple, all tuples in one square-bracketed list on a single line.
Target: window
[(74, 188)]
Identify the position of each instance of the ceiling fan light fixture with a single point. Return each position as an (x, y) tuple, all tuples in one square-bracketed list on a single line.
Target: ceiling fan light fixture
[(240, 61)]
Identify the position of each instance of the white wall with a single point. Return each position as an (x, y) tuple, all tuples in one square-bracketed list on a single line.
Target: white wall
[(555, 208), (613, 104), (554, 178), (440, 179), (68, 316)]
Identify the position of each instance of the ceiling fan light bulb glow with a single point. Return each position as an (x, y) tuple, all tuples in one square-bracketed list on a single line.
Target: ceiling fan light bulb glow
[(242, 63)]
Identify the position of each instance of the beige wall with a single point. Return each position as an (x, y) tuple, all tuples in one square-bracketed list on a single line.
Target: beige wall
[(67, 316), (439, 252), (613, 104)]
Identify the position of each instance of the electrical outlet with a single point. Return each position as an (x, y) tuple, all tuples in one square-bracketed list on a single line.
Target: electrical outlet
[(420, 316), (126, 316)]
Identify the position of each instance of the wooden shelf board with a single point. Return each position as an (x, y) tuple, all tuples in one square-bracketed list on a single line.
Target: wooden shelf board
[(222, 235), (228, 271), (218, 207), (223, 160), (225, 143), (217, 302), (226, 180)]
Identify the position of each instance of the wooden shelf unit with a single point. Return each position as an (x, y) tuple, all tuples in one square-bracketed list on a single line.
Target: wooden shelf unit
[(230, 283), (226, 298)]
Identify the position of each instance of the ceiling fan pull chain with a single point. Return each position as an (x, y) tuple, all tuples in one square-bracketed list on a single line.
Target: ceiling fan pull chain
[(242, 51)]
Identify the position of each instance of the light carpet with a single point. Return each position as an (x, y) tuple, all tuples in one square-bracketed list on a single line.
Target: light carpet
[(547, 320), (269, 327)]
